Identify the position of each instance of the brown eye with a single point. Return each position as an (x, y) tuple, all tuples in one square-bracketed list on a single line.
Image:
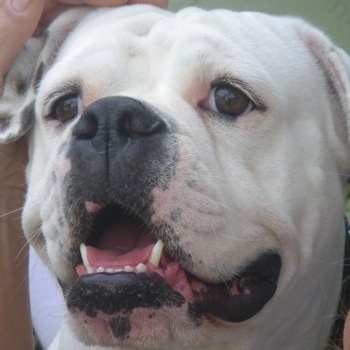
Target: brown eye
[(66, 108), (229, 100)]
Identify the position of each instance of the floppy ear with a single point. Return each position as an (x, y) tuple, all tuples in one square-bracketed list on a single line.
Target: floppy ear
[(17, 103), (335, 65)]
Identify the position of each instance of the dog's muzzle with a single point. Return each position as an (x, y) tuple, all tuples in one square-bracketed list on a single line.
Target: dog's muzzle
[(122, 149)]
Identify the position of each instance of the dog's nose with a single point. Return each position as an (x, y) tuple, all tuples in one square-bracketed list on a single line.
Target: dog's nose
[(117, 120), (121, 148)]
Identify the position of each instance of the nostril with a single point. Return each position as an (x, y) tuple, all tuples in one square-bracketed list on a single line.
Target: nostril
[(115, 120), (142, 125), (87, 127)]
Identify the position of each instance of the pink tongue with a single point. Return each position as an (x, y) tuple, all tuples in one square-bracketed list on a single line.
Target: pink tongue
[(124, 243)]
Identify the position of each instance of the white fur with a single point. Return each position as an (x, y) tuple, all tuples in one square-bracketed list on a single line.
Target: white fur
[(271, 179)]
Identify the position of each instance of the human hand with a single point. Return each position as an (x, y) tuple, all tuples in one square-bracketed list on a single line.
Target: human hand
[(19, 19)]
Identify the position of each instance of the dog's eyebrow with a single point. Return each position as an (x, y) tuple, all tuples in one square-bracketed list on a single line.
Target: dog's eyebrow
[(67, 88)]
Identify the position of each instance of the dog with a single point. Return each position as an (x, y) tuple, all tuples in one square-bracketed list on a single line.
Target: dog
[(186, 176)]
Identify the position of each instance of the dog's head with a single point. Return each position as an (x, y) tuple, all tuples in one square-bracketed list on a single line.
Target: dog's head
[(183, 183)]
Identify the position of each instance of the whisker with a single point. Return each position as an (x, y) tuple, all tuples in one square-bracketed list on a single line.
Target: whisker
[(11, 212)]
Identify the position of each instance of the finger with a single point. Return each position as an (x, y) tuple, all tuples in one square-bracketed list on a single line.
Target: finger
[(53, 9), (105, 3), (160, 3), (18, 19)]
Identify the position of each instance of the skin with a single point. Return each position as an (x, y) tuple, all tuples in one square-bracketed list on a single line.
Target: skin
[(347, 333), (18, 21)]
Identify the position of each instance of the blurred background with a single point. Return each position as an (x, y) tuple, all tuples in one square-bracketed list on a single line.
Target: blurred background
[(332, 16)]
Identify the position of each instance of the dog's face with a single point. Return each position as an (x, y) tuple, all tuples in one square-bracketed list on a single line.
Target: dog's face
[(183, 181)]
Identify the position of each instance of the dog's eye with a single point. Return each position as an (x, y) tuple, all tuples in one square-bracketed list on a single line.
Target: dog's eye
[(229, 100), (66, 108)]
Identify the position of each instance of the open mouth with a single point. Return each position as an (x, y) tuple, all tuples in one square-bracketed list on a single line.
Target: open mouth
[(125, 262)]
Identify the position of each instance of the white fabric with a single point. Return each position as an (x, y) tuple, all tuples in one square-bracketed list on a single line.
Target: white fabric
[(46, 300)]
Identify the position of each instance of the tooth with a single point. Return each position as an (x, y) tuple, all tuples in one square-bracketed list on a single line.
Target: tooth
[(156, 253), (117, 270), (86, 263), (110, 270), (141, 268), (128, 268), (100, 269), (84, 255)]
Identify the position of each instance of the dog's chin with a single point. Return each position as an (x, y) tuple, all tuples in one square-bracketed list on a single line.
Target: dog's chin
[(131, 291)]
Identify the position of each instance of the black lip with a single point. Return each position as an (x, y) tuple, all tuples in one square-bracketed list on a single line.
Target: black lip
[(121, 292), (112, 293), (261, 277)]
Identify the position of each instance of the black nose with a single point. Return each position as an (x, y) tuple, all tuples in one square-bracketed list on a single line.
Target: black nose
[(120, 150), (117, 120)]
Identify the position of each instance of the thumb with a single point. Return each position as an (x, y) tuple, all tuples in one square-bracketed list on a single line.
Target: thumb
[(18, 20)]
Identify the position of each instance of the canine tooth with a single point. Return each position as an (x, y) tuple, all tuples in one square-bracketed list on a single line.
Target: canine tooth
[(84, 257), (157, 252), (141, 268), (128, 268), (100, 269)]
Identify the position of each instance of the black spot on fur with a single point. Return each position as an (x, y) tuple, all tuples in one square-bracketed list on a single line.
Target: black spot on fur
[(175, 215), (192, 184), (21, 86), (120, 327), (168, 235), (5, 121), (27, 116), (60, 221), (194, 315), (38, 75)]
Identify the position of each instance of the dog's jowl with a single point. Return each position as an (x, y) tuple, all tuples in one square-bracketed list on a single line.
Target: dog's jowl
[(186, 174)]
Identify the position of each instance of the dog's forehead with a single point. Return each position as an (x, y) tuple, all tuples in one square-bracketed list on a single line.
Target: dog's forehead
[(110, 51), (133, 33)]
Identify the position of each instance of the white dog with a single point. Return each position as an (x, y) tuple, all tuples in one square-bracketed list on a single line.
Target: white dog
[(185, 183)]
